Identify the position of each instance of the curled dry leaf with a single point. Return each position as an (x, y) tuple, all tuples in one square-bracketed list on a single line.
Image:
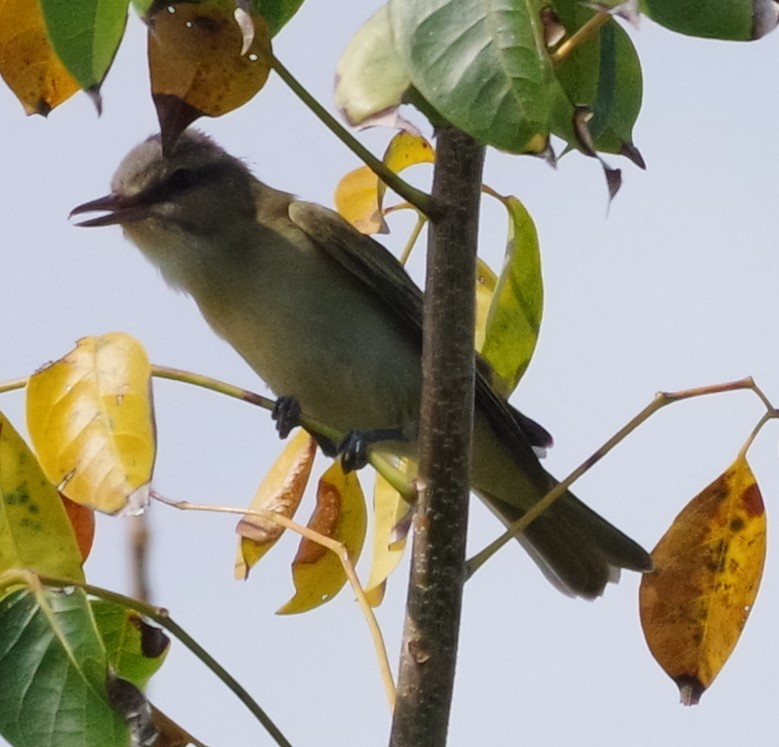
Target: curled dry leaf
[(280, 492), (708, 566), (340, 515), (82, 519), (389, 511)]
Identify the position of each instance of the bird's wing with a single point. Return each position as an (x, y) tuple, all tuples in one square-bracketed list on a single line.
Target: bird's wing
[(384, 276)]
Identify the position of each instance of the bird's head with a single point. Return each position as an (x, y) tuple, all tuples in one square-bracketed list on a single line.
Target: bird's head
[(191, 190)]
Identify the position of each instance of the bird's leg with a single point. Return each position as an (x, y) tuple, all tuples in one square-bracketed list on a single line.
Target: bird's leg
[(354, 446)]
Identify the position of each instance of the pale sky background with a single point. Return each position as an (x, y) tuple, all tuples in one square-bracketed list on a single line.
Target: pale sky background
[(675, 288)]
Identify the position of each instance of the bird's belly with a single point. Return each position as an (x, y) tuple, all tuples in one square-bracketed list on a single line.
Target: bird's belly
[(349, 368)]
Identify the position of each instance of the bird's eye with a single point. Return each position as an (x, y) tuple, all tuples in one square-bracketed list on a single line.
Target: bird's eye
[(181, 180)]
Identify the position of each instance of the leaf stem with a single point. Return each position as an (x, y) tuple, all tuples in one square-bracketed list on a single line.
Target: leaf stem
[(580, 36), (394, 476), (660, 400), (328, 542), (413, 237), (421, 200), (12, 385)]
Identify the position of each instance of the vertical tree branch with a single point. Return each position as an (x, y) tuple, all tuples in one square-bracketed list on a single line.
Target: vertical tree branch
[(432, 623)]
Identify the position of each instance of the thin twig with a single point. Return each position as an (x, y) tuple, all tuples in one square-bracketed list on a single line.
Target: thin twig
[(391, 474), (421, 200), (162, 618), (661, 400), (413, 237), (12, 385), (328, 542)]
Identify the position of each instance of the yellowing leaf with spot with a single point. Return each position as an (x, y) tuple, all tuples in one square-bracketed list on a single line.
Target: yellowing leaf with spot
[(196, 62), (34, 529), (28, 63), (340, 514), (90, 419), (514, 319), (708, 566), (359, 196), (389, 513), (280, 492)]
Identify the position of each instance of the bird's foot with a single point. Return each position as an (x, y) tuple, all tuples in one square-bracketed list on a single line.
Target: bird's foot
[(354, 446), (286, 413)]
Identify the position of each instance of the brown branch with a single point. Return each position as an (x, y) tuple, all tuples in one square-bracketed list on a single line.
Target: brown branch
[(429, 647)]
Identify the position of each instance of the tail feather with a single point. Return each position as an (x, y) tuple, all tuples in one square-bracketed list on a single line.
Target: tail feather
[(576, 548)]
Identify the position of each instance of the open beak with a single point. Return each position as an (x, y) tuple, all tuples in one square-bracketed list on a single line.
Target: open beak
[(117, 209)]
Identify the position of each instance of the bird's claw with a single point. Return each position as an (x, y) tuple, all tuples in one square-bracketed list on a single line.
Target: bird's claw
[(286, 412), (354, 450), (354, 445)]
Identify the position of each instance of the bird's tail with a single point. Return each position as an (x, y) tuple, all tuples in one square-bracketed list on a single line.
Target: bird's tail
[(576, 548)]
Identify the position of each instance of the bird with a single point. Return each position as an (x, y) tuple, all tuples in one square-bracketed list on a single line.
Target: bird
[(332, 322)]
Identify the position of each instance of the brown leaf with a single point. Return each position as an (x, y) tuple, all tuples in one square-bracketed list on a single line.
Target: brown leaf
[(170, 734), (82, 519), (708, 567), (196, 62), (339, 514)]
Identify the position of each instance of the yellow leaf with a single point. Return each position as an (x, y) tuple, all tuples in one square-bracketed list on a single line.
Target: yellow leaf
[(280, 492), (34, 529), (90, 420), (514, 319), (486, 280), (197, 62), (406, 150), (359, 196), (389, 511), (340, 514), (708, 566), (28, 63), (357, 200)]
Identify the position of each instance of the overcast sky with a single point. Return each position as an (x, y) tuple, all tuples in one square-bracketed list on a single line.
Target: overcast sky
[(675, 288)]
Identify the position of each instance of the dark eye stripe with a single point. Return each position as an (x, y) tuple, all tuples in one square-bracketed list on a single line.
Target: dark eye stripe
[(180, 181)]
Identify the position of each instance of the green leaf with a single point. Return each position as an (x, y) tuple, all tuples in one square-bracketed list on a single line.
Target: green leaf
[(604, 74), (53, 668), (737, 20), (482, 64), (34, 529), (135, 649), (370, 78), (514, 319), (86, 34), (276, 12)]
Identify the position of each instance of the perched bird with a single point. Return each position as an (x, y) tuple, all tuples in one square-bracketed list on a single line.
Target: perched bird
[(327, 316)]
